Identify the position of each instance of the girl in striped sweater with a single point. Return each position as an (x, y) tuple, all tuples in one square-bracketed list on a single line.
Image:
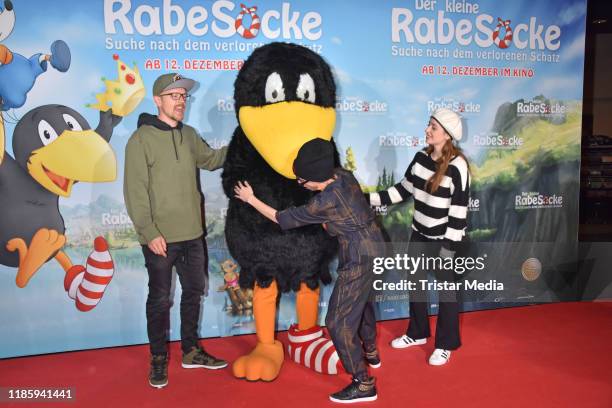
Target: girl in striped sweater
[(438, 179)]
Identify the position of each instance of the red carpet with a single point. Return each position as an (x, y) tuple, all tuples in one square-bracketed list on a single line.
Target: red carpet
[(555, 355)]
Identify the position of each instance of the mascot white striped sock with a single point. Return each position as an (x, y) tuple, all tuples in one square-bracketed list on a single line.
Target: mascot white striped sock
[(87, 284), (310, 348)]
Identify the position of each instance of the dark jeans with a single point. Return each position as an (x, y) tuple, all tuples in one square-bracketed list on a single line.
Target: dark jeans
[(189, 257), (350, 319), (447, 326)]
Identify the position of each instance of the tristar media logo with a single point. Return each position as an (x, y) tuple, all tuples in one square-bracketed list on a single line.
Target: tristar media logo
[(353, 104), (461, 107), (495, 140), (533, 200), (540, 108), (400, 139), (222, 18)]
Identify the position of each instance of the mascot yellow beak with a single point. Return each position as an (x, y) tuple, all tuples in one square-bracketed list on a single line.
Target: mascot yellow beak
[(73, 156), (278, 130)]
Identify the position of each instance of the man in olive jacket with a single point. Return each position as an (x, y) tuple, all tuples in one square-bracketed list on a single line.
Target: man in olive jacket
[(163, 200)]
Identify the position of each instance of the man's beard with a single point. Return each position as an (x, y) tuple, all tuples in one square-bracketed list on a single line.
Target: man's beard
[(175, 115)]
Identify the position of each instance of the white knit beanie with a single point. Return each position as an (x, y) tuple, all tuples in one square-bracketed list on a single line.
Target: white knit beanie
[(450, 121)]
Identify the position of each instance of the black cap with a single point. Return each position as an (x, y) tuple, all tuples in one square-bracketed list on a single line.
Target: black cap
[(315, 161)]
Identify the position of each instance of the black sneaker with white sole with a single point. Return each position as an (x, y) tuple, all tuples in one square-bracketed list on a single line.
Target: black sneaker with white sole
[(373, 358), (198, 358), (158, 374), (356, 391)]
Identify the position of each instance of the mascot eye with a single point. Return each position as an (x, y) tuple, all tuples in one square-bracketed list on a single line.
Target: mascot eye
[(71, 122), (274, 88), (46, 132), (306, 88)]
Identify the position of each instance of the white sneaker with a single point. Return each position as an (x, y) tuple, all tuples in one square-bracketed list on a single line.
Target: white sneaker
[(439, 357), (405, 341)]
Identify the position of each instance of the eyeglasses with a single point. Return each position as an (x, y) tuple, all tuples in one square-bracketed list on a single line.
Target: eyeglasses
[(301, 181), (177, 96)]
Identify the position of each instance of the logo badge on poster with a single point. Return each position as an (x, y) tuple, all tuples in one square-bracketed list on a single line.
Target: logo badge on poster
[(461, 107), (174, 18), (473, 204), (357, 105), (225, 105), (496, 140), (400, 139), (381, 210), (535, 200), (531, 269), (540, 108)]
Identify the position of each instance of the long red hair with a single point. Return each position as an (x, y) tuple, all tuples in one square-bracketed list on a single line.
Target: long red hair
[(449, 151)]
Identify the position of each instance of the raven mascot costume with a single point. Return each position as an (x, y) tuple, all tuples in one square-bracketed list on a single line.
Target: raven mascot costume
[(284, 96)]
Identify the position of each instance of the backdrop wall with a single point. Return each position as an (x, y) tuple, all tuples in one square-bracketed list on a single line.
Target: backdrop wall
[(512, 69)]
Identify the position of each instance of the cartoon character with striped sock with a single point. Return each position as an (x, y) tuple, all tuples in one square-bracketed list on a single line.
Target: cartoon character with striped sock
[(54, 147), (49, 159)]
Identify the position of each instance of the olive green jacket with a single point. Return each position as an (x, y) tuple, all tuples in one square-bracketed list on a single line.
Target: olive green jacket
[(160, 188)]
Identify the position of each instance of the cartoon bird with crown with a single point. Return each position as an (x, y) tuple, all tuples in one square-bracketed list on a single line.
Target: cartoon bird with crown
[(54, 148)]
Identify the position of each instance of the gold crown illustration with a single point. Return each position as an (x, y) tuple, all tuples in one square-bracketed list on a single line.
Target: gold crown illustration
[(124, 94)]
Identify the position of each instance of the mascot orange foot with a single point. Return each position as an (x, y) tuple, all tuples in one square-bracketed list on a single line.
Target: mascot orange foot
[(307, 345)]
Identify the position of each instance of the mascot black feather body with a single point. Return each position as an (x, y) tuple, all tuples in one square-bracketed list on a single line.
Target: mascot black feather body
[(284, 96)]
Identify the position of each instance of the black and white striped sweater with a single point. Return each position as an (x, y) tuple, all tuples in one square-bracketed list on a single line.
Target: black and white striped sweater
[(440, 215)]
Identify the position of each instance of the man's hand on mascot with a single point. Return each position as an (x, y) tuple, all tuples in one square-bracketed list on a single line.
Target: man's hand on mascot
[(244, 191), (158, 246)]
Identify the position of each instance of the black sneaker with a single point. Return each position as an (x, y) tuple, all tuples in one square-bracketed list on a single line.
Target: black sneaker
[(198, 358), (373, 359), (356, 391), (158, 375)]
